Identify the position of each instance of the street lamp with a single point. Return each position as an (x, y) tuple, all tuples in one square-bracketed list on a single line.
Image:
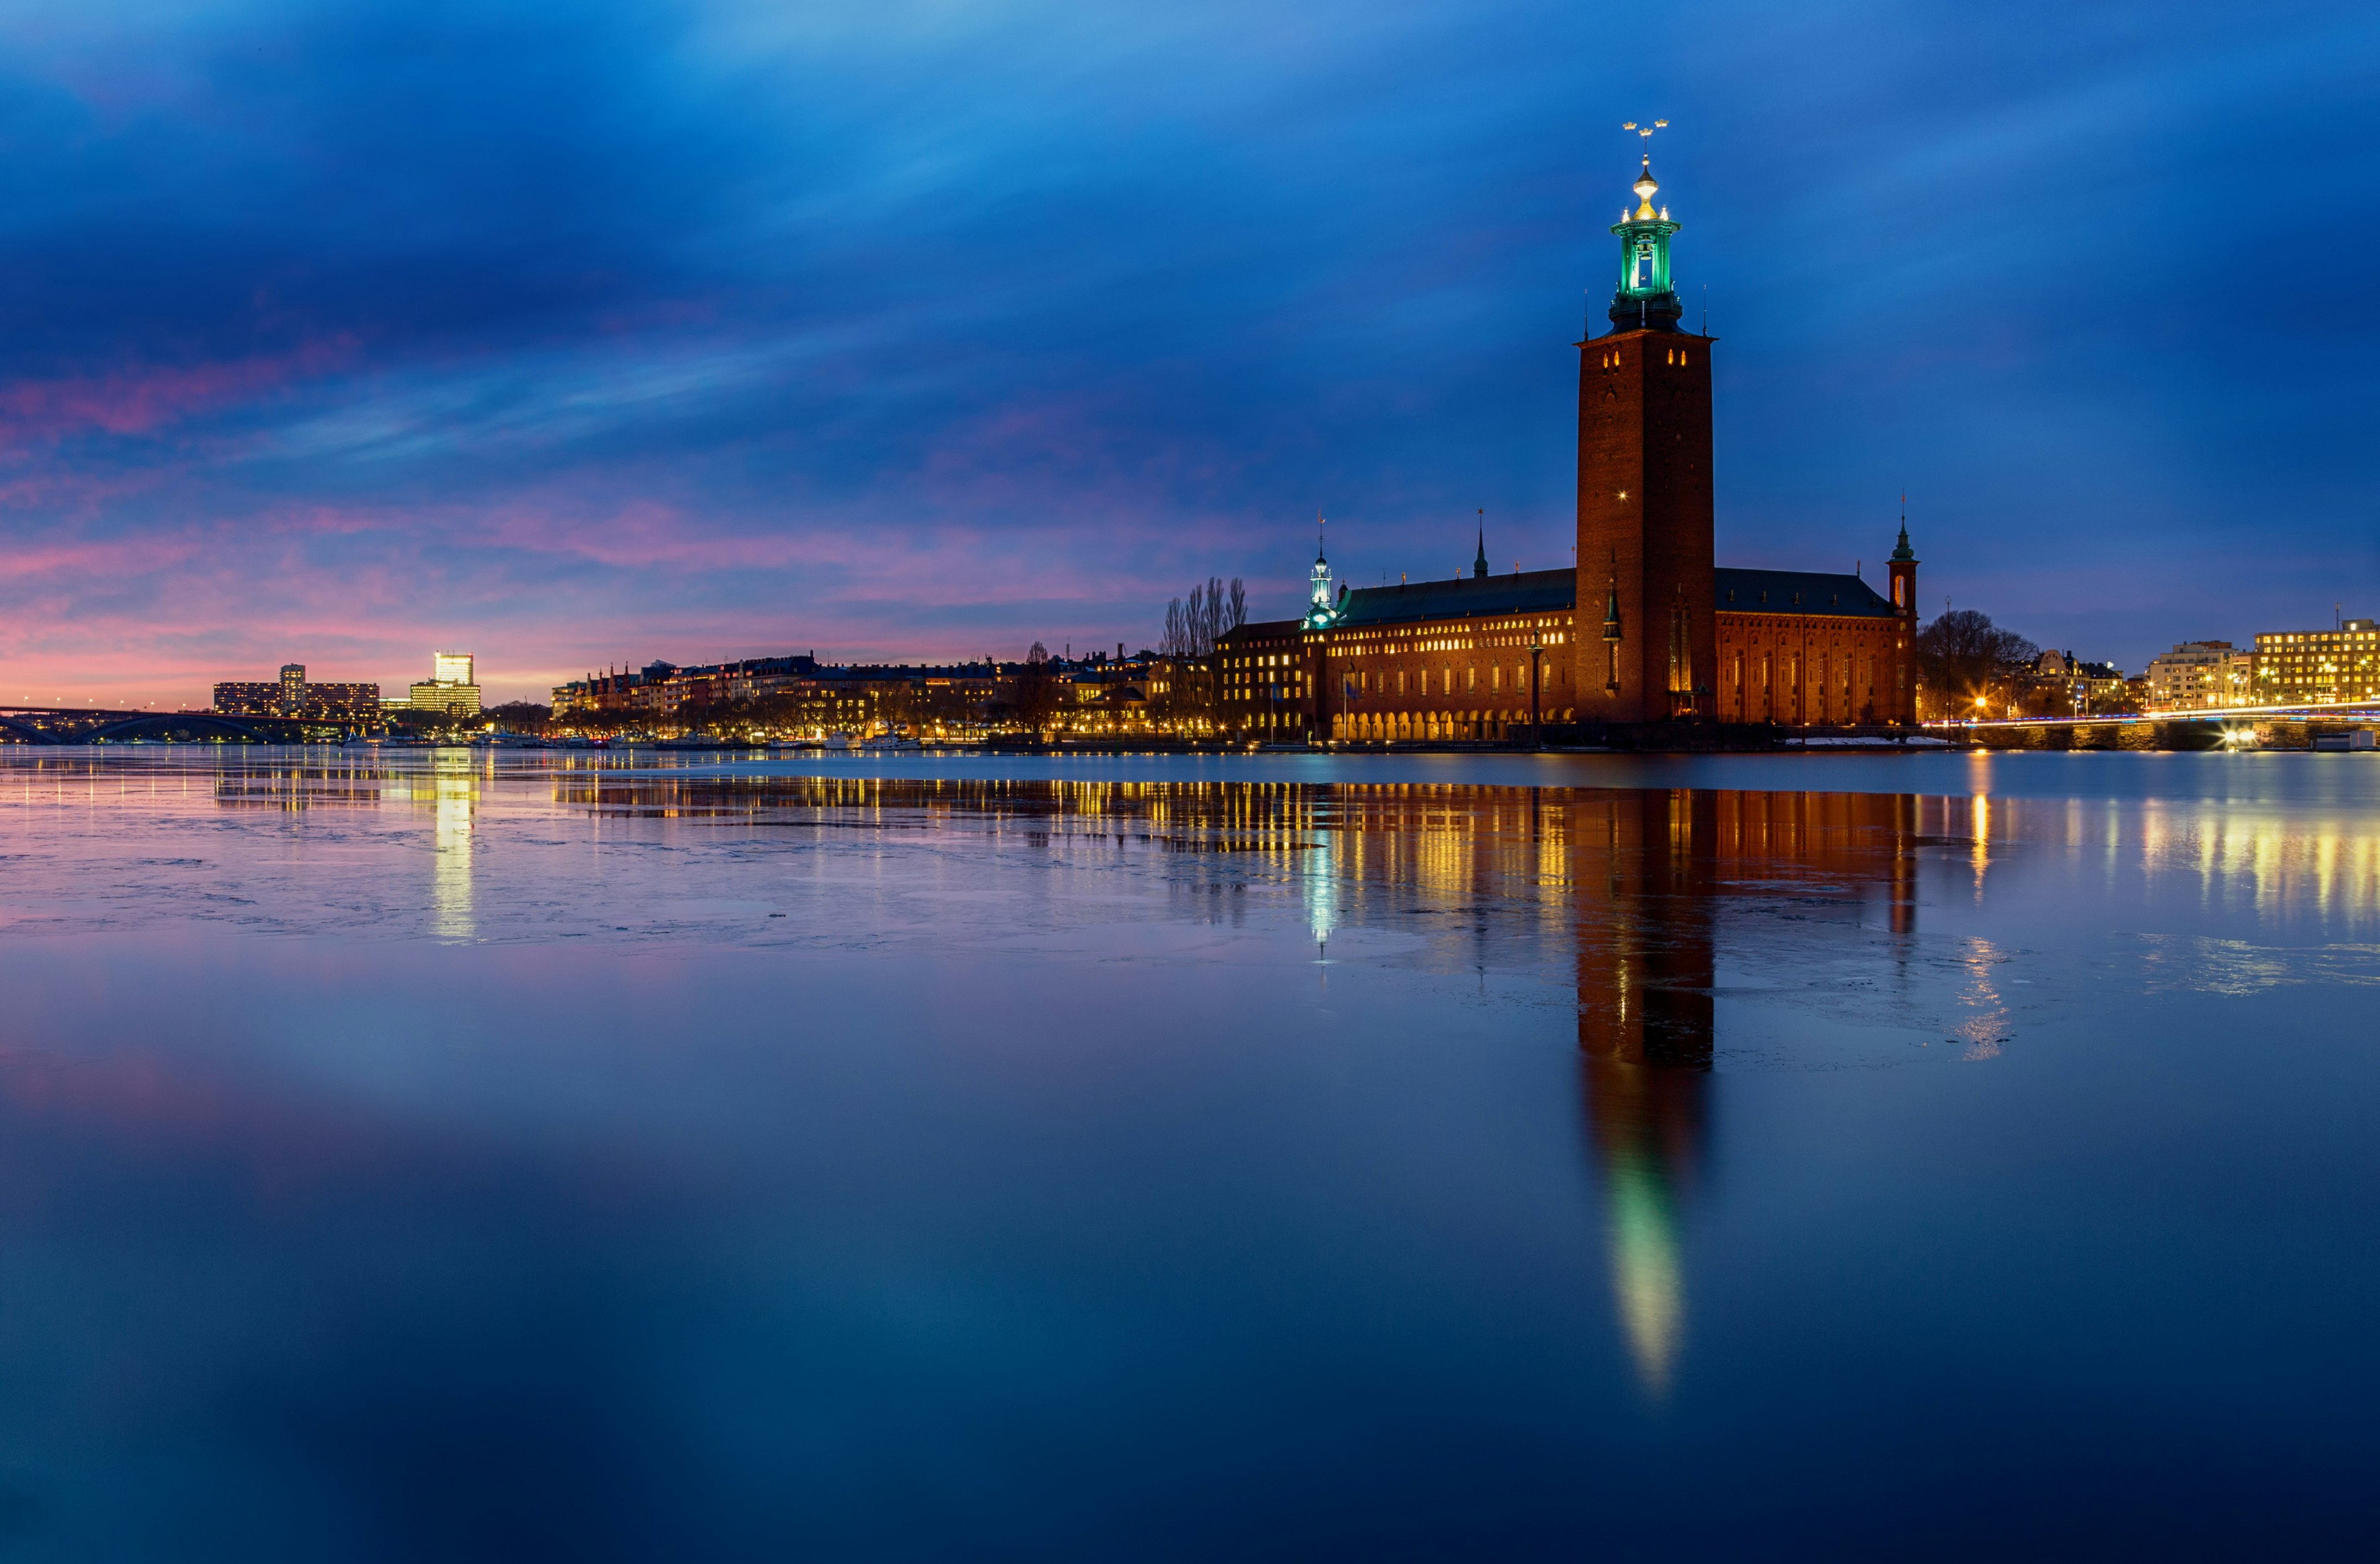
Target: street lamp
[(1536, 684)]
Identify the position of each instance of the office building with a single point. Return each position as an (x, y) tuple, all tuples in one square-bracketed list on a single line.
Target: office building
[(293, 695), (453, 685), (2317, 667), (2199, 676)]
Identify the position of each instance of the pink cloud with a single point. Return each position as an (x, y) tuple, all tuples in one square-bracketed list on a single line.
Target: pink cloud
[(137, 400), (160, 617)]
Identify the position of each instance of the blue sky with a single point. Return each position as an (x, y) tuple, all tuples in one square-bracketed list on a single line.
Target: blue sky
[(588, 334)]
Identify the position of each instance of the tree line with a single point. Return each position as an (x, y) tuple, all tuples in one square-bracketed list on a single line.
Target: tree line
[(1962, 655), (1193, 628)]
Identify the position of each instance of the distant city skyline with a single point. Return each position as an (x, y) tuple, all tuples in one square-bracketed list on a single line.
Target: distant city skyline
[(577, 335)]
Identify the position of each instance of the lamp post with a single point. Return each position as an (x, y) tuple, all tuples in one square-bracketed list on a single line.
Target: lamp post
[(1536, 686)]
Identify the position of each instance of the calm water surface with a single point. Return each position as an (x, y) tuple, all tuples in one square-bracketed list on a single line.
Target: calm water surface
[(428, 1155)]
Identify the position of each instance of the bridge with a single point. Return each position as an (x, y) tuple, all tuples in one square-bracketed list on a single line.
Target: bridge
[(2303, 711), (94, 724), (2193, 729)]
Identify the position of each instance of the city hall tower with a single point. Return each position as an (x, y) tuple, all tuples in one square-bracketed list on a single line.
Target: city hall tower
[(1644, 631), (1644, 532)]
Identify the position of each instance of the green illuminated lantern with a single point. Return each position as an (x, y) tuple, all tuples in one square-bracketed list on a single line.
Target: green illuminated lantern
[(1321, 613), (1645, 300)]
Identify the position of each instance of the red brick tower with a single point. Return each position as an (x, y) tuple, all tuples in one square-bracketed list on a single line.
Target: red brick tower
[(1645, 494)]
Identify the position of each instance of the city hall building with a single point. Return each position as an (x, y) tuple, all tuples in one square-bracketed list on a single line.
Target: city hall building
[(1647, 629)]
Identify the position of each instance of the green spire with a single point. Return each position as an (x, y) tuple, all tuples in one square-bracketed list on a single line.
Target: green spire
[(1902, 551), (1646, 299), (1321, 609)]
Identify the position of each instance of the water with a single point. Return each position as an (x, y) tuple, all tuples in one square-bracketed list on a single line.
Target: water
[(438, 1157)]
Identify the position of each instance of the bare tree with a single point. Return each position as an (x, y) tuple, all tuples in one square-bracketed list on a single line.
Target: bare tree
[(1036, 690), (1962, 653), (1193, 628)]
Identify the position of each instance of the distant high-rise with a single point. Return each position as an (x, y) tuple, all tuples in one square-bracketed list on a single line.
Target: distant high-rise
[(453, 685), (293, 695)]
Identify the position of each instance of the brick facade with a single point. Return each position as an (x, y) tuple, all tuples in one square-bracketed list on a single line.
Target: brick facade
[(1808, 650), (1467, 674), (1644, 627), (1645, 525)]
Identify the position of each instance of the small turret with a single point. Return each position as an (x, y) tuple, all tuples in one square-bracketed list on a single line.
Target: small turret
[(1902, 568), (1322, 606)]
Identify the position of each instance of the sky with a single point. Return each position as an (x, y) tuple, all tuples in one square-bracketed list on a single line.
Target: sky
[(581, 335)]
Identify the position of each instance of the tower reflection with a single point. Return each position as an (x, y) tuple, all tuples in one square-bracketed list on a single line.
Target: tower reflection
[(1643, 874), (1651, 872), (1632, 895)]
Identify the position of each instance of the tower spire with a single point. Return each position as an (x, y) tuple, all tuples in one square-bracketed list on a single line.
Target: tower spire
[(1320, 610), (1902, 569), (1479, 565), (1646, 299)]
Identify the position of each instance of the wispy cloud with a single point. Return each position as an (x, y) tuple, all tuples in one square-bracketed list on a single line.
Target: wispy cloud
[(332, 330)]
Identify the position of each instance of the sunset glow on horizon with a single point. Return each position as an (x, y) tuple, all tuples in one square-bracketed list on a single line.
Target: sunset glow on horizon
[(582, 336)]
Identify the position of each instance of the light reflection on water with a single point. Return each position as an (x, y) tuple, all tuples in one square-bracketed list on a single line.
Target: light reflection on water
[(1690, 981), (453, 794)]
